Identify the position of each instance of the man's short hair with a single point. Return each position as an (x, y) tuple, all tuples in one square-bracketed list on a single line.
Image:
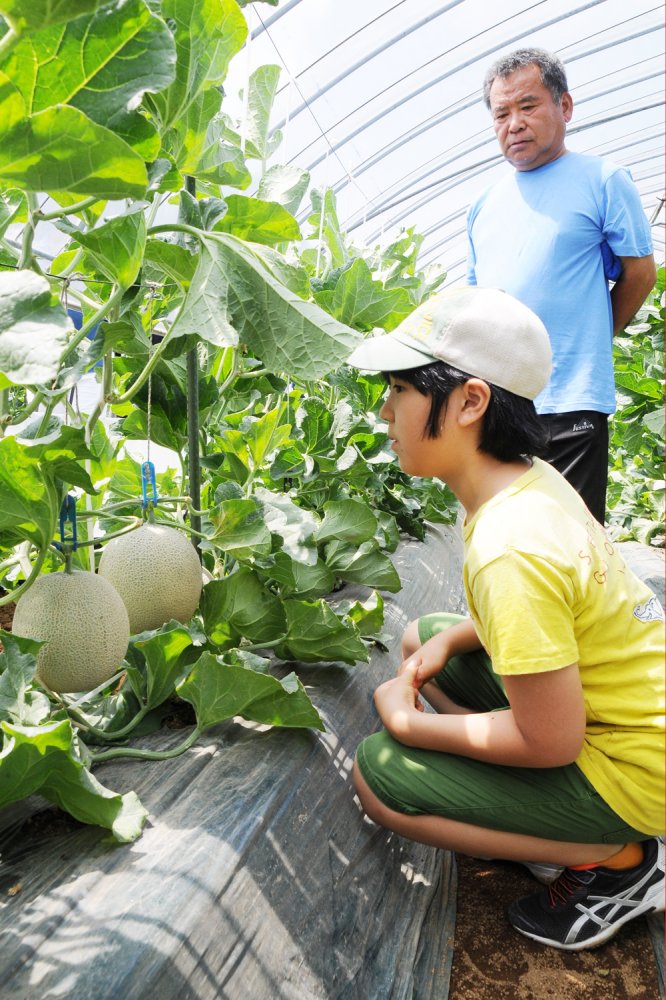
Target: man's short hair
[(553, 74)]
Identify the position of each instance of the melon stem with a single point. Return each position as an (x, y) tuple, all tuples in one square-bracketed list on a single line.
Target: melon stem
[(148, 754)]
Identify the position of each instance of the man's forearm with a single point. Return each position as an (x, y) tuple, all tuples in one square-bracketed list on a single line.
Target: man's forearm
[(631, 289)]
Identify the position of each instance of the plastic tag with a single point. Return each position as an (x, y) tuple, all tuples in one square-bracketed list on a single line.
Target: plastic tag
[(68, 514), (148, 484)]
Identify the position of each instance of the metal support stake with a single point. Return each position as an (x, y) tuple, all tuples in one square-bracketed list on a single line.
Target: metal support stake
[(193, 463)]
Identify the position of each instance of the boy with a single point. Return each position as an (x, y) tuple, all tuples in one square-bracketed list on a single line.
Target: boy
[(547, 742)]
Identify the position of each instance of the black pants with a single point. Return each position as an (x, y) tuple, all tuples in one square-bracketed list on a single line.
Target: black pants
[(578, 448)]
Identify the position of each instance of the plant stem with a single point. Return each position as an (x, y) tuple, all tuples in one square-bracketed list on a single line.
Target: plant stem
[(194, 454), (59, 213), (136, 523), (175, 227), (36, 401), (142, 377), (15, 594), (148, 754), (5, 415), (105, 734), (27, 259), (96, 318), (100, 405), (108, 509)]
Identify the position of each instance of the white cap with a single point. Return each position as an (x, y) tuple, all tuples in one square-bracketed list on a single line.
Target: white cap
[(481, 331)]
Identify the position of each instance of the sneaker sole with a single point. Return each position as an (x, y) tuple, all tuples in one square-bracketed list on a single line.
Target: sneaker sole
[(653, 903)]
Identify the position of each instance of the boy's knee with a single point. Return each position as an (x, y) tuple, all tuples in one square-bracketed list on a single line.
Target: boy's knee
[(373, 807)]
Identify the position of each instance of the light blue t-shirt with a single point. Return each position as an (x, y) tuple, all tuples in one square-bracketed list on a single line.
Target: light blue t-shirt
[(549, 237)]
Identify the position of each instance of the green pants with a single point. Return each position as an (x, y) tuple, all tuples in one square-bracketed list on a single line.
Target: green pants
[(555, 803)]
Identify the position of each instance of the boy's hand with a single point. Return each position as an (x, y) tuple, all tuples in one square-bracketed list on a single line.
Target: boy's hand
[(427, 661), (398, 699)]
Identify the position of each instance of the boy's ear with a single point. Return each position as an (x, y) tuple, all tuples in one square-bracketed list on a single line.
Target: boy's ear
[(475, 399)]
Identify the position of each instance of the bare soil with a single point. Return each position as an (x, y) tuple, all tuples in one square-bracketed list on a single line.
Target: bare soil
[(6, 616), (491, 961)]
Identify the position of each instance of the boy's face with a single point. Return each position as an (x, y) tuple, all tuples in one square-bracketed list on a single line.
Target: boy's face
[(406, 411)]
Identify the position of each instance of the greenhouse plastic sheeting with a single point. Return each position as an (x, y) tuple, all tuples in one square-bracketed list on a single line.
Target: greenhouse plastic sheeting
[(382, 101), (257, 875)]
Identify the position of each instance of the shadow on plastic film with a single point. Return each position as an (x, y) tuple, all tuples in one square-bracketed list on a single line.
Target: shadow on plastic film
[(257, 876)]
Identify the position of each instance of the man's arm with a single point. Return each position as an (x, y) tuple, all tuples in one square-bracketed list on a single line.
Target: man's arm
[(631, 289)]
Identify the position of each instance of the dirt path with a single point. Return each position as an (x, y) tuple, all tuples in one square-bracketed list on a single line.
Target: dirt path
[(493, 962)]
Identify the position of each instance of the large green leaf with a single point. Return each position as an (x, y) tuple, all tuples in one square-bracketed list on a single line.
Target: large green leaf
[(171, 261), (162, 431), (207, 33), (350, 520), (199, 148), (650, 388), (61, 452), (12, 206), (20, 700), (44, 759), (362, 302), (33, 330), (285, 184), (219, 691), (286, 272), (35, 14), (164, 662), (101, 63), (654, 421), (234, 297), (265, 435), (258, 221), (239, 528), (295, 525), (61, 149), (368, 616), (239, 605), (324, 220), (116, 248), (29, 505), (315, 633), (365, 564), (298, 580), (262, 89)]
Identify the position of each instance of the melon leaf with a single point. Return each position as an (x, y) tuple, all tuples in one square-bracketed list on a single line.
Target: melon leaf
[(219, 691), (46, 759)]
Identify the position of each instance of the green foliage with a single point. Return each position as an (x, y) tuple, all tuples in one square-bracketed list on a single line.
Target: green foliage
[(109, 113), (636, 481)]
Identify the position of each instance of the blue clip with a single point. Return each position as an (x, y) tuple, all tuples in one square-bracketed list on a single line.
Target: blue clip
[(68, 513), (148, 480)]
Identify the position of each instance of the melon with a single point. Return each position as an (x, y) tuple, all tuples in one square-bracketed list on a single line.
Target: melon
[(84, 625), (157, 573)]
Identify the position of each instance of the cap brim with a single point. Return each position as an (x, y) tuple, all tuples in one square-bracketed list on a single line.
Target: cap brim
[(387, 354)]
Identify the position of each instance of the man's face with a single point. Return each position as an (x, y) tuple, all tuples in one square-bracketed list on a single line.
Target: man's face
[(529, 125)]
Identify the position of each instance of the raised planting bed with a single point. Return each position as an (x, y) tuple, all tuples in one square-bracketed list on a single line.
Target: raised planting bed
[(257, 874)]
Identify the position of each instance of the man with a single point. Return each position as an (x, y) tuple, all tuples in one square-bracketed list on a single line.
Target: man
[(552, 233)]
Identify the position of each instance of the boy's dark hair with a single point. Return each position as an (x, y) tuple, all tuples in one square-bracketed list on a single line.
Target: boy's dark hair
[(553, 74), (511, 428)]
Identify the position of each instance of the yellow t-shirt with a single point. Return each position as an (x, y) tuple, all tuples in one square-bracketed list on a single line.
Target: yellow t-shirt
[(547, 588)]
